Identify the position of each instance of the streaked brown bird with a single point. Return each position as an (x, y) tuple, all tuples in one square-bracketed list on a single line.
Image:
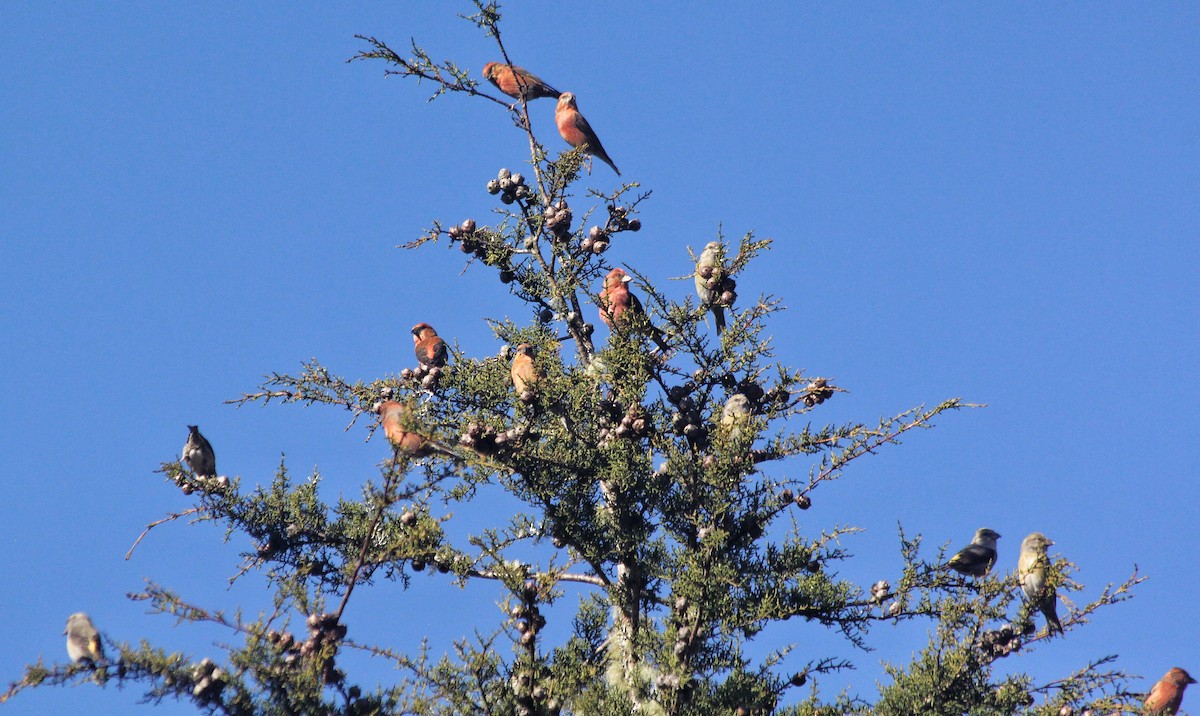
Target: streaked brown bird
[(429, 346), (617, 302), (576, 131), (1167, 695), (198, 454), (524, 373), (1032, 566), (517, 82)]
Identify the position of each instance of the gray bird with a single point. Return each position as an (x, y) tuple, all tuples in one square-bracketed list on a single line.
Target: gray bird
[(83, 643), (1031, 570), (710, 267), (977, 558), (198, 454)]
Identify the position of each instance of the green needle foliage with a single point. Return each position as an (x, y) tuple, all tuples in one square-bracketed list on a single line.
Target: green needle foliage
[(642, 485)]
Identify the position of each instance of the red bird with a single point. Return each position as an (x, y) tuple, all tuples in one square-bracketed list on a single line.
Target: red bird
[(616, 300), (524, 373), (429, 347), (576, 131), (1167, 694), (517, 82), (392, 416)]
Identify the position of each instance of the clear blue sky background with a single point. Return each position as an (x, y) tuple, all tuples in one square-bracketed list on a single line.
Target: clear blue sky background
[(994, 203)]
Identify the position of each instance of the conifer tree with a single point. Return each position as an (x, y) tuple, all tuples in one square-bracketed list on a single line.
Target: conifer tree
[(639, 459)]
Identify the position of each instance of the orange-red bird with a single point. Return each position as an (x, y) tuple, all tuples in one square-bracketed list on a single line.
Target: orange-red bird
[(616, 300), (576, 131), (1167, 694), (392, 416), (429, 347), (517, 82), (524, 372)]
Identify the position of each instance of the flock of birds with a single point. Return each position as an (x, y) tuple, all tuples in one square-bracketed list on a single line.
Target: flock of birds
[(615, 304)]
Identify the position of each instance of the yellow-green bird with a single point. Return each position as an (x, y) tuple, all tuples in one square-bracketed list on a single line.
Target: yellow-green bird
[(1031, 571)]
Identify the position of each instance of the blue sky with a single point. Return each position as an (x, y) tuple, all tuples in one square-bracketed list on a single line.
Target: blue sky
[(993, 202)]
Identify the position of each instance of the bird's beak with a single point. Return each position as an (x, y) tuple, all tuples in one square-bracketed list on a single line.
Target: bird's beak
[(1191, 680), (626, 278)]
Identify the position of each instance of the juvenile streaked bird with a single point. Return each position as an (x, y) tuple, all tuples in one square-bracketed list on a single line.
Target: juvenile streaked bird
[(1167, 695), (711, 261), (517, 82), (576, 131), (977, 558), (429, 346), (1032, 566), (735, 414), (198, 454)]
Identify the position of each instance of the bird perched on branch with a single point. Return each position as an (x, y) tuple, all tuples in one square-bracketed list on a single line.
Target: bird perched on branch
[(977, 558), (429, 346), (1166, 696), (517, 82), (576, 131), (198, 454), (83, 642), (524, 373), (394, 417), (708, 269), (618, 303), (735, 415), (1032, 566)]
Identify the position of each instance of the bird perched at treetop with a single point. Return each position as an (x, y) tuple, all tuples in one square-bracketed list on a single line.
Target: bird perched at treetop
[(517, 82), (709, 266), (1167, 695), (83, 642), (394, 417), (429, 346), (198, 454), (1032, 566), (977, 558), (576, 131)]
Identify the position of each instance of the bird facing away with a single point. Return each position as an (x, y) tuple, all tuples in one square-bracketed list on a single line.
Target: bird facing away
[(576, 131), (1031, 571), (517, 82), (83, 641), (198, 454), (1166, 696), (976, 559), (524, 373), (711, 262), (617, 303), (429, 346)]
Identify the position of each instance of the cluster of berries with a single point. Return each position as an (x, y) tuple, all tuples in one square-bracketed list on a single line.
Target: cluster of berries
[(486, 440), (208, 679), (626, 424), (817, 392), (528, 621), (510, 186)]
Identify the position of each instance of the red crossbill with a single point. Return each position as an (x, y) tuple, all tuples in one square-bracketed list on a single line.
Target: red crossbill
[(576, 131), (617, 301), (517, 82), (1166, 696), (429, 347), (524, 373)]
